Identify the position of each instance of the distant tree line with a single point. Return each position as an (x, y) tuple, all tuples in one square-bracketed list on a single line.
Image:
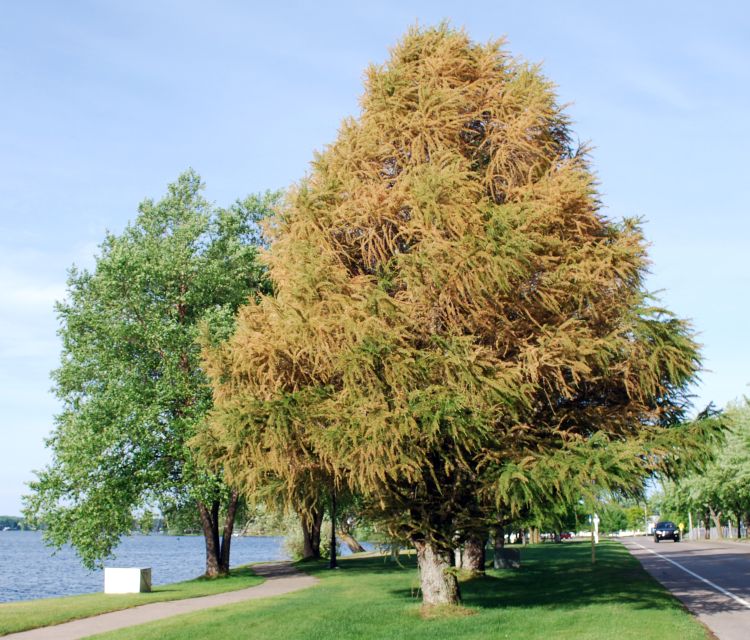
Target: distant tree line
[(14, 523), (719, 495)]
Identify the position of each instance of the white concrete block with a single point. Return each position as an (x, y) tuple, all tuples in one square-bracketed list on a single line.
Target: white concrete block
[(127, 579)]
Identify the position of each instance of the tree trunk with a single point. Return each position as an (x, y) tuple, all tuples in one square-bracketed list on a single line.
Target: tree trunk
[(211, 536), (439, 583), (716, 516), (226, 536), (217, 548), (498, 546), (307, 543), (332, 562), (350, 541), (345, 533), (473, 555), (311, 525)]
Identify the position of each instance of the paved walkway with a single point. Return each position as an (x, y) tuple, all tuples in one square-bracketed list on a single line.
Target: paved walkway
[(711, 578), (280, 578)]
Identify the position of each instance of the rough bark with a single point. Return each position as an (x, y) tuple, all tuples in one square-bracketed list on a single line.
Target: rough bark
[(311, 525), (438, 582), (473, 555), (211, 536), (226, 536), (217, 547)]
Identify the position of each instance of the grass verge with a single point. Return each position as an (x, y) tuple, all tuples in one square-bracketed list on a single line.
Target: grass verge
[(556, 594), (30, 614)]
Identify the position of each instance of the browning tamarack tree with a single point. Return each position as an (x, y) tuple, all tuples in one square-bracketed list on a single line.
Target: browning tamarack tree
[(458, 333)]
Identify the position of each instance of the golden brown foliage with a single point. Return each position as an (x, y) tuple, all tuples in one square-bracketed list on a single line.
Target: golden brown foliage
[(456, 324)]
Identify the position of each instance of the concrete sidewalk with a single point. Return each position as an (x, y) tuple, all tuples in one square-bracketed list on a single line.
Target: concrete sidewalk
[(281, 577)]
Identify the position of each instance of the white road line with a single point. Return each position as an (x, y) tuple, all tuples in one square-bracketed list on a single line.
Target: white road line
[(734, 597)]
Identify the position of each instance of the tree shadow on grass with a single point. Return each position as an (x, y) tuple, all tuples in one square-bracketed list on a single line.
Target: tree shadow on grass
[(371, 565), (562, 577)]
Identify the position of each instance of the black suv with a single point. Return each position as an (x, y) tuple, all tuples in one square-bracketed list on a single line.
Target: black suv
[(665, 530)]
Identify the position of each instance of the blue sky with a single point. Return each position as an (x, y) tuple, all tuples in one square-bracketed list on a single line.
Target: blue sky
[(104, 103)]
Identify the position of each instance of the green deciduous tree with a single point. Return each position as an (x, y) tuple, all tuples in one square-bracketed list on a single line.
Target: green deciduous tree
[(459, 333), (720, 491), (130, 381)]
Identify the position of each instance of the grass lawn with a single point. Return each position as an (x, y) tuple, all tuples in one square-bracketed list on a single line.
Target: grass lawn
[(556, 595), (30, 614)]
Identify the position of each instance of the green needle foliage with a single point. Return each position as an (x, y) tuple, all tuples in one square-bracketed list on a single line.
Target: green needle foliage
[(130, 381), (459, 334)]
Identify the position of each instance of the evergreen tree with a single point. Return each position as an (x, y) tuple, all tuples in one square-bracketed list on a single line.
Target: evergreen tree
[(459, 333)]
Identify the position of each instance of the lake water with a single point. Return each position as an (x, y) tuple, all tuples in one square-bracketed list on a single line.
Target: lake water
[(28, 570)]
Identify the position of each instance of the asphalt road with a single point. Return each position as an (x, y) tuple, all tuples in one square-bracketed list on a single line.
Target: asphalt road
[(711, 578)]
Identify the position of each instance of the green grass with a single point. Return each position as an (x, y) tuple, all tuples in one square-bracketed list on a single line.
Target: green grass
[(556, 595), (30, 614)]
